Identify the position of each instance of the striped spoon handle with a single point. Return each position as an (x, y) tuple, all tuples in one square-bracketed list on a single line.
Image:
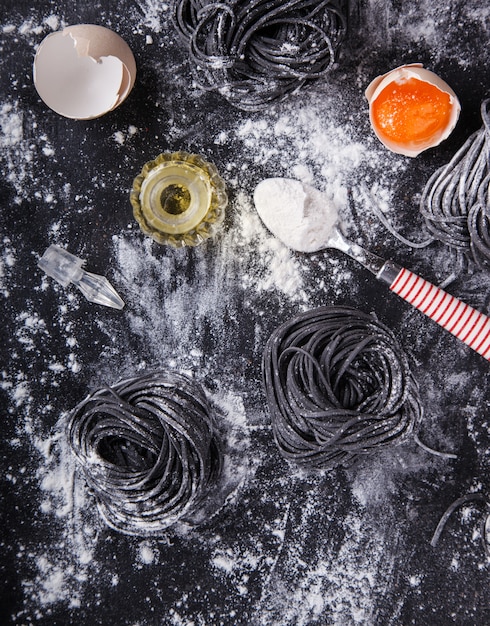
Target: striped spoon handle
[(464, 322)]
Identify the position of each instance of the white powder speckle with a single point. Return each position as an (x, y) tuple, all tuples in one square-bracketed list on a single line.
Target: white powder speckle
[(146, 553), (119, 137), (53, 21), (152, 12), (223, 562), (272, 546), (415, 580)]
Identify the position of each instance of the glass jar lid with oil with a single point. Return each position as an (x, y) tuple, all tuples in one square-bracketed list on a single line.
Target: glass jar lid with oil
[(179, 199)]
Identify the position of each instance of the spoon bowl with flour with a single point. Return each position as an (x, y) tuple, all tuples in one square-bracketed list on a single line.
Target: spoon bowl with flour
[(305, 220)]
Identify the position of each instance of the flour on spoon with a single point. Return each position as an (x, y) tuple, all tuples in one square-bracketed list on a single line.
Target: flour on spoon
[(299, 215)]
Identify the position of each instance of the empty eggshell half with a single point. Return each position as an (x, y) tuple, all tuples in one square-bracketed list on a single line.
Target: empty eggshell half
[(84, 71), (410, 123)]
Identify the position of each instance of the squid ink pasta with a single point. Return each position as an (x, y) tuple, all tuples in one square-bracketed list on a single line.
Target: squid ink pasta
[(255, 52), (478, 498), (338, 387), (148, 450), (456, 200)]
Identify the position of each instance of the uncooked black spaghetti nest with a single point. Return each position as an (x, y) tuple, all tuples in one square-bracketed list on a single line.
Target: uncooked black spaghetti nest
[(338, 387), (254, 52), (148, 450), (456, 199)]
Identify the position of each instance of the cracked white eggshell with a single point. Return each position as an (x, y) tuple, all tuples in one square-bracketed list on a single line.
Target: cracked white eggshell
[(404, 72), (84, 71)]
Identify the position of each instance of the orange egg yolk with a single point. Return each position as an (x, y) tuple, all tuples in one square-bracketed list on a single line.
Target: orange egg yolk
[(410, 110)]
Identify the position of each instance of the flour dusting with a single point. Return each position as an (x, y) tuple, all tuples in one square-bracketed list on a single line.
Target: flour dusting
[(271, 546)]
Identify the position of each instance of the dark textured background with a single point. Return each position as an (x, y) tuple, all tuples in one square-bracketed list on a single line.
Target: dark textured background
[(369, 562)]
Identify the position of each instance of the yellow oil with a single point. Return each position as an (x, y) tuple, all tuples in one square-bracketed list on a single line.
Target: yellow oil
[(175, 199), (179, 199)]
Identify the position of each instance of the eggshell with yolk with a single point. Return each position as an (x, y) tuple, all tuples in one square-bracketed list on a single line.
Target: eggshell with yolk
[(403, 73)]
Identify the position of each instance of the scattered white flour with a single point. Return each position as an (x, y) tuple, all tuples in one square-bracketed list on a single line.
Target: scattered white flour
[(62, 567), (121, 137), (272, 547), (146, 553), (269, 264), (7, 262), (153, 14), (11, 124), (20, 156)]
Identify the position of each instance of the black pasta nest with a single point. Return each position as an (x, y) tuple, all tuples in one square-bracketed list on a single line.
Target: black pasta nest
[(338, 386), (254, 52), (456, 199), (148, 450)]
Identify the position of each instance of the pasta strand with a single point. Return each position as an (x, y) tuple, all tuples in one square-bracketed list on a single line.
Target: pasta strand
[(255, 52), (456, 199), (338, 387), (147, 449)]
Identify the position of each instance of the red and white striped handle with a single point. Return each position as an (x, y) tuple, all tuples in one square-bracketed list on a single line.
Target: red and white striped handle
[(467, 324)]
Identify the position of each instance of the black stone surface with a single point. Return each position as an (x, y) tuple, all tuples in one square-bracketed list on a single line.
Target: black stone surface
[(285, 547)]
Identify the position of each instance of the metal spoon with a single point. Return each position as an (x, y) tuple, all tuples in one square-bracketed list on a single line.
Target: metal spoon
[(301, 217)]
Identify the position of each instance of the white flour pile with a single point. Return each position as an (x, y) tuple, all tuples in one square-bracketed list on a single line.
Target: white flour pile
[(283, 548), (297, 214)]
